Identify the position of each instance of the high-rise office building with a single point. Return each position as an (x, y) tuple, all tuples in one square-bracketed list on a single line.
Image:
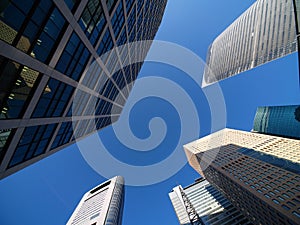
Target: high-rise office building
[(60, 71), (264, 32), (103, 205), (281, 121), (207, 202), (258, 173), (297, 23)]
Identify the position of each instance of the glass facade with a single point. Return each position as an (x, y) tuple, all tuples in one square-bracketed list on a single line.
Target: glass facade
[(17, 84), (281, 121), (33, 27), (61, 78), (264, 32)]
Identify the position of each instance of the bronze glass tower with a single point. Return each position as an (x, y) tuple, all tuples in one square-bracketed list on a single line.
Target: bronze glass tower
[(258, 173)]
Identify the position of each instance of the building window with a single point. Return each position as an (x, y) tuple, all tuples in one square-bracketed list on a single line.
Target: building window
[(92, 20), (54, 101), (32, 28), (64, 135), (33, 143), (118, 20), (106, 44), (17, 84), (74, 58), (72, 4), (110, 5)]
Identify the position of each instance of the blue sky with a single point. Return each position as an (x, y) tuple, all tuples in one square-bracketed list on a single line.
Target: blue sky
[(47, 192)]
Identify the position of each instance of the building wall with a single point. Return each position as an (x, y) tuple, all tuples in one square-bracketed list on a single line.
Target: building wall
[(252, 172), (103, 205), (264, 32), (278, 120), (210, 204), (59, 73)]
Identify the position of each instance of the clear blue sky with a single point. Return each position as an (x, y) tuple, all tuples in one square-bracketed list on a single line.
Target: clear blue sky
[(47, 192)]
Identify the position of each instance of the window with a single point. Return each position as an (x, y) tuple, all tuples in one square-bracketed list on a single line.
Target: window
[(92, 21), (41, 24), (64, 135), (296, 214), (17, 84), (33, 142), (106, 44), (285, 207), (74, 58), (53, 102), (72, 4), (118, 20)]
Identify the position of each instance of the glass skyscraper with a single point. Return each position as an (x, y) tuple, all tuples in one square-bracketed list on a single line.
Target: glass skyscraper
[(258, 173), (264, 32), (55, 77), (211, 206), (103, 205), (281, 121)]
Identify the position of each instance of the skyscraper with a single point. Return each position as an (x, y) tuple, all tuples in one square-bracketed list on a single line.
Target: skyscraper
[(103, 205), (258, 173), (60, 72), (281, 121), (297, 23), (264, 32), (210, 205)]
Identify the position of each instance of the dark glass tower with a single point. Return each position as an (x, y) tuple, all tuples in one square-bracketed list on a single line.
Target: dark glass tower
[(54, 75), (281, 121)]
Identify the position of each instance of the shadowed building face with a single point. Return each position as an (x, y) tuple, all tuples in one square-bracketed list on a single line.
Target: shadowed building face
[(259, 174), (56, 82)]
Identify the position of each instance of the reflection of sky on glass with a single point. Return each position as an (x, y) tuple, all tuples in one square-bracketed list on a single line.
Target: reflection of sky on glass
[(49, 191)]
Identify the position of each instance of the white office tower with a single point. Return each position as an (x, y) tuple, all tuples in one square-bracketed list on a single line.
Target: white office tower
[(264, 32), (201, 203), (103, 205)]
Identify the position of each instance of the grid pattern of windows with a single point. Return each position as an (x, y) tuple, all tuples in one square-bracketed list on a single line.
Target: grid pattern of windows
[(33, 27), (118, 19), (17, 83), (92, 20), (64, 135), (33, 143), (106, 45), (250, 204), (74, 58), (278, 120), (101, 205), (53, 103), (264, 32), (210, 204), (62, 41), (258, 173)]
